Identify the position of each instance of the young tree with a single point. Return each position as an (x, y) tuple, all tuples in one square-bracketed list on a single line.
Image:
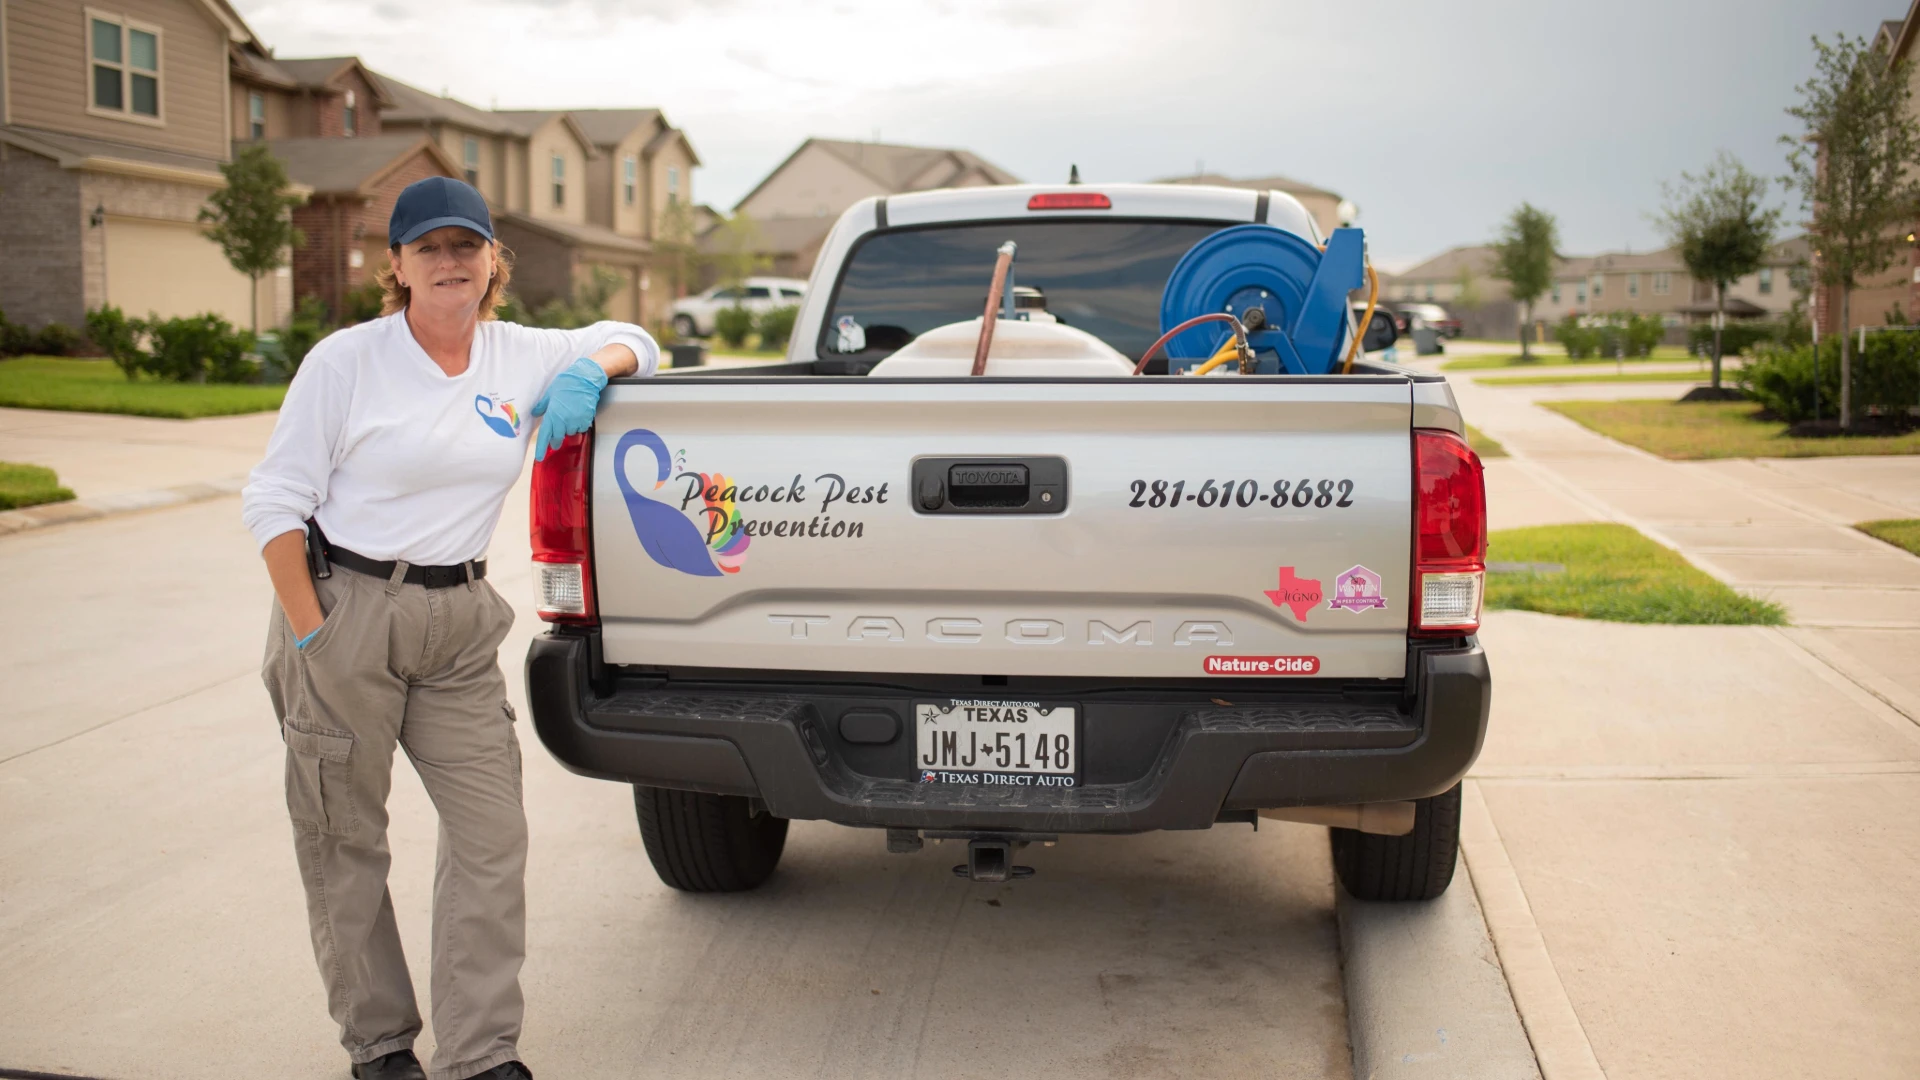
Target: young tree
[(249, 217), (676, 250), (738, 253), (1853, 166), (1523, 257), (1722, 231)]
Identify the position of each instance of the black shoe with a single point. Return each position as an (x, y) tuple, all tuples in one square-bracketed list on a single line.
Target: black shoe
[(511, 1070), (399, 1065)]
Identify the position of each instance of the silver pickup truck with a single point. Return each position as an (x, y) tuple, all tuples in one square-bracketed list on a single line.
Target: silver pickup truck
[(870, 587)]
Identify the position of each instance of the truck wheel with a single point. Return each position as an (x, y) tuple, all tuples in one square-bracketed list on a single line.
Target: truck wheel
[(707, 843), (1417, 866), (684, 326)]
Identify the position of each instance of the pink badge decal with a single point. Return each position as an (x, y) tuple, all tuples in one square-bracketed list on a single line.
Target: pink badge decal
[(1357, 590)]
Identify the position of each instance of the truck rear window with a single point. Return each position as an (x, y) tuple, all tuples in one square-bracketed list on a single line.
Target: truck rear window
[(1103, 277)]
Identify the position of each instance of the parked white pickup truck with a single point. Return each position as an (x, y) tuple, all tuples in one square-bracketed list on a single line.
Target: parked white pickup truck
[(868, 586)]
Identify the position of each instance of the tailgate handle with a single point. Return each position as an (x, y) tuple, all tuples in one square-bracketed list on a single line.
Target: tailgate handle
[(948, 485)]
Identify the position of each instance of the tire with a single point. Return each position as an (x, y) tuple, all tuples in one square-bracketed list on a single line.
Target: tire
[(1417, 866), (685, 326), (707, 843)]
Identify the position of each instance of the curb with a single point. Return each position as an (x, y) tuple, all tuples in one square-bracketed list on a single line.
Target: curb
[(1426, 995), (62, 513)]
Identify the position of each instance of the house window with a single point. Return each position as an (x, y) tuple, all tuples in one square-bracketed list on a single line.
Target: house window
[(470, 160), (350, 116), (1766, 280), (1633, 286), (629, 179), (559, 181), (1580, 292), (1662, 283), (673, 185), (1556, 292), (256, 115), (1429, 290), (126, 67), (1599, 287)]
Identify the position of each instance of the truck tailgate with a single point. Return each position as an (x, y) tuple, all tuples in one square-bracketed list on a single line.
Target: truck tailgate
[(1162, 528)]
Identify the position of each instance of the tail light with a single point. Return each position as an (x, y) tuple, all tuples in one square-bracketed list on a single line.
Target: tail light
[(1070, 200), (1450, 533), (562, 540)]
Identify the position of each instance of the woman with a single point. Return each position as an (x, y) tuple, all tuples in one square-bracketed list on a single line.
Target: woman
[(398, 442)]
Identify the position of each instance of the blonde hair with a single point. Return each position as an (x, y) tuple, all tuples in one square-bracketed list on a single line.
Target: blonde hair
[(394, 296)]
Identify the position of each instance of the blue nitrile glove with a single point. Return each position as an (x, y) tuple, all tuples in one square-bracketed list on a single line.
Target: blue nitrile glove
[(301, 642), (568, 406)]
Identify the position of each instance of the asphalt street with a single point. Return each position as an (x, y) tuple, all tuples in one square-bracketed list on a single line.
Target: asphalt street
[(151, 920)]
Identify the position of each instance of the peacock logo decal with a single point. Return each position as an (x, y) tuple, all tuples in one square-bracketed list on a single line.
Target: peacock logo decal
[(714, 546)]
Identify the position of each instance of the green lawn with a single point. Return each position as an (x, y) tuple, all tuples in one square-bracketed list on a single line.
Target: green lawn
[(1901, 532), (1483, 445), (29, 485), (1616, 574), (1554, 380), (45, 382), (1558, 357), (1688, 431)]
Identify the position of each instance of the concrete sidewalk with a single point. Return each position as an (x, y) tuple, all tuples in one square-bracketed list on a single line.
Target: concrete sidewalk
[(100, 455), (1693, 844)]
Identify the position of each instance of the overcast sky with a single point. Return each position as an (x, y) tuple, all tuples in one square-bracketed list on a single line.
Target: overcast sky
[(1436, 118)]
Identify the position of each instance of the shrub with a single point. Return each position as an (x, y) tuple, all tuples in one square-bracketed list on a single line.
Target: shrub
[(1886, 376), (308, 326), (56, 339), (732, 325), (14, 338), (776, 326), (362, 303), (1738, 339), (1642, 333), (119, 337), (199, 348), (1581, 341)]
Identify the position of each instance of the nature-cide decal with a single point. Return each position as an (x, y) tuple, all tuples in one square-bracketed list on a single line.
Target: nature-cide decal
[(1357, 589), (499, 414), (1300, 594), (697, 527), (1262, 665)]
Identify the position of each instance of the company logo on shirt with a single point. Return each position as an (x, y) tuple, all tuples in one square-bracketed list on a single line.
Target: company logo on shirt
[(499, 414)]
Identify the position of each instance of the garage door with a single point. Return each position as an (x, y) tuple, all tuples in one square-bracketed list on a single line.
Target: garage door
[(171, 268)]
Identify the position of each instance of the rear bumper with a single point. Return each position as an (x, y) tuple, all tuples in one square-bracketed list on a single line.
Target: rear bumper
[(773, 742)]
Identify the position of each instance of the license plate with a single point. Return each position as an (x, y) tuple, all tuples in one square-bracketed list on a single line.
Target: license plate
[(996, 742)]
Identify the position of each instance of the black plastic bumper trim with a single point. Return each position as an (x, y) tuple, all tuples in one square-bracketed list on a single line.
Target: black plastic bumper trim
[(770, 745)]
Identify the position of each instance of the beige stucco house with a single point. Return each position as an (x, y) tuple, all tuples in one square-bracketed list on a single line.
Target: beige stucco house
[(800, 199), (643, 171), (114, 121)]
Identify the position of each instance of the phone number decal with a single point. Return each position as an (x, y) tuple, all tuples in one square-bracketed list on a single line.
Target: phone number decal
[(1279, 494)]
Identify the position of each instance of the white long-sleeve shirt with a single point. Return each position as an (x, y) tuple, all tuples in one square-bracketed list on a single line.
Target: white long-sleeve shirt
[(398, 460)]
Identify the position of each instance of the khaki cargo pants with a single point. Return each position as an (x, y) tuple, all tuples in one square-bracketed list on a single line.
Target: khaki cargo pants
[(398, 664)]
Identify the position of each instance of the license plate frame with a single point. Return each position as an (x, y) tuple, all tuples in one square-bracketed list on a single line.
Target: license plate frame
[(947, 735)]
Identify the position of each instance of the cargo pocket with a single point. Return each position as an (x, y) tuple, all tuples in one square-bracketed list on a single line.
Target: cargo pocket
[(320, 779), (513, 751)]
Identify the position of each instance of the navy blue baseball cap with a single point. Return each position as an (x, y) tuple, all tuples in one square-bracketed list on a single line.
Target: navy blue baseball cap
[(428, 204)]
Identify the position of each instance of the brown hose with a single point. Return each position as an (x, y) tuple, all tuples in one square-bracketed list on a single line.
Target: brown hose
[(1000, 267), (1239, 333)]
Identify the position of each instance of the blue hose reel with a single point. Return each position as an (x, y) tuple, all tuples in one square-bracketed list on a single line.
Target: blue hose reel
[(1301, 289)]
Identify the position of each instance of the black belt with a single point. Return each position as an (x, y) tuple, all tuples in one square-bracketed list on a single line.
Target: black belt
[(433, 577)]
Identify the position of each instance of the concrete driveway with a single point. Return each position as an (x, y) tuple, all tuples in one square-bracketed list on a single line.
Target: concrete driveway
[(153, 927)]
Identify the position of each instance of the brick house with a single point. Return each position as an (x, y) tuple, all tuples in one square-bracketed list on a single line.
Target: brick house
[(113, 127), (355, 182), (321, 117)]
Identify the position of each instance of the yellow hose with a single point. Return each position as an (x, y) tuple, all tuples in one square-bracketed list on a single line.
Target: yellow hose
[(1373, 298), (1227, 352)]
